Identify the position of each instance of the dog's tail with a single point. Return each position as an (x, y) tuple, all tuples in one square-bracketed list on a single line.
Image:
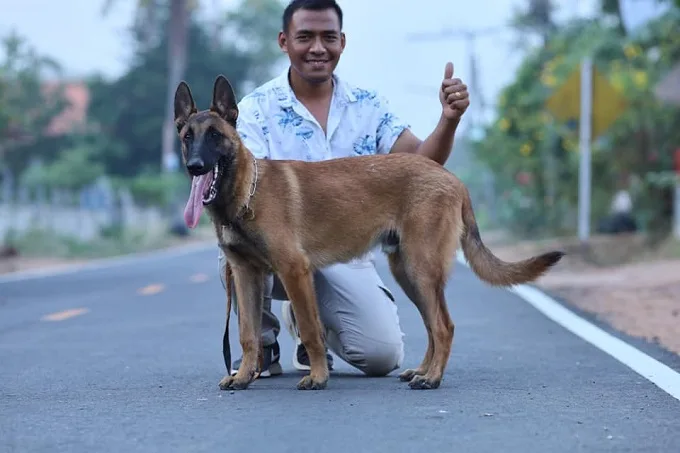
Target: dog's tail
[(490, 268)]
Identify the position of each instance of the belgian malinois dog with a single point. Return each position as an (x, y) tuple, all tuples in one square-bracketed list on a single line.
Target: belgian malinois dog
[(290, 217)]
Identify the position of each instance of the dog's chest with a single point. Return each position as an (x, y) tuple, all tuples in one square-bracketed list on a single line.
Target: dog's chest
[(241, 245)]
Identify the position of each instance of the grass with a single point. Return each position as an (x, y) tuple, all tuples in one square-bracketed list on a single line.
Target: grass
[(39, 243), (603, 251)]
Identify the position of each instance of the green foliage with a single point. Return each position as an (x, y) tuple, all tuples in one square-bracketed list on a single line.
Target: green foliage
[(154, 189), (254, 27), (39, 242), (74, 169), (125, 115), (130, 110), (526, 143), (25, 108)]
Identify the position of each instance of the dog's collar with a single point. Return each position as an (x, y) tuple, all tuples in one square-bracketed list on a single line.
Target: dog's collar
[(247, 211)]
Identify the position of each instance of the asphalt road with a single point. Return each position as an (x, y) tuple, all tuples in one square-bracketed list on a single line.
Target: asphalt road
[(136, 365)]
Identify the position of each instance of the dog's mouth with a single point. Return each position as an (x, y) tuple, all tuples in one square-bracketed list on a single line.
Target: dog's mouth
[(211, 193), (203, 193)]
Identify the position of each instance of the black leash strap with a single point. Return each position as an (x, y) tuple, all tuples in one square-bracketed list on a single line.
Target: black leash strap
[(226, 347)]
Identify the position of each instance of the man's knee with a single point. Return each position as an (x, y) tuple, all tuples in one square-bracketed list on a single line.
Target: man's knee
[(375, 358)]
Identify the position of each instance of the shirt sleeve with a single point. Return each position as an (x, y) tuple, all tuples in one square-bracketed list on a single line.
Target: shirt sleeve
[(390, 126), (251, 129)]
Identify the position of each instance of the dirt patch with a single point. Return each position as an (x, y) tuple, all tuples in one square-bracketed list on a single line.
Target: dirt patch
[(634, 289)]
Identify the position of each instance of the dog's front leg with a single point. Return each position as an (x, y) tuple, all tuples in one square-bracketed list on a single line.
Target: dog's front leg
[(249, 283), (299, 286)]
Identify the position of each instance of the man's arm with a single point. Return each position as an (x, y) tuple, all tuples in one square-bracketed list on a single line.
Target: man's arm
[(437, 146), (454, 98), (250, 129)]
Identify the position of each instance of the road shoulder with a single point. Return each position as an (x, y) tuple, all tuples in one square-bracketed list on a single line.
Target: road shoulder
[(638, 302)]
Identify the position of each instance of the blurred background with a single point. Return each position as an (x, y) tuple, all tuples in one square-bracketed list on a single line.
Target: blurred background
[(89, 162)]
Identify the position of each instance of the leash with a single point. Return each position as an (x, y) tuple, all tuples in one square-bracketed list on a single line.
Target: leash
[(226, 346)]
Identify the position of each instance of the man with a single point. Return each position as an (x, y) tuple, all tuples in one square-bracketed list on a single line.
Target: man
[(308, 113)]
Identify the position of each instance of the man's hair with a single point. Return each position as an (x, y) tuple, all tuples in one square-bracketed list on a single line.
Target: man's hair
[(314, 5)]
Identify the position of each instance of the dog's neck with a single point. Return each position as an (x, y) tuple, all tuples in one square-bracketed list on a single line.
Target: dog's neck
[(238, 189)]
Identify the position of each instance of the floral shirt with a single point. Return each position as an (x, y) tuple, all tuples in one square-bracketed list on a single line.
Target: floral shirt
[(273, 124)]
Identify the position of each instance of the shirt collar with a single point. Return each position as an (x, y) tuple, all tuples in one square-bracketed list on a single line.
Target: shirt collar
[(286, 98)]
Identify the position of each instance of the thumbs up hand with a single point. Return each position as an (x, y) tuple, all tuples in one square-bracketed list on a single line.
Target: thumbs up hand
[(453, 95)]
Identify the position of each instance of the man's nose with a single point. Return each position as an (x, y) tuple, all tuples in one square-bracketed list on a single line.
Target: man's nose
[(317, 46)]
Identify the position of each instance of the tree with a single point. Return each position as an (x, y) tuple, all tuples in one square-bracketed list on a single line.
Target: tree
[(26, 108), (536, 18), (613, 8), (639, 143), (176, 31), (128, 110)]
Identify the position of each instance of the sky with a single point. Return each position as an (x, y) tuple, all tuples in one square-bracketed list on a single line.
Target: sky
[(378, 55)]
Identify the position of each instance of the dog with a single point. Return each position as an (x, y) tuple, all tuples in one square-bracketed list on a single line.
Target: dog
[(290, 217)]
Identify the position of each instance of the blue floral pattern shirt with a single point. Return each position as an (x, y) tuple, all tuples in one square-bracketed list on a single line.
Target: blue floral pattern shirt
[(273, 124)]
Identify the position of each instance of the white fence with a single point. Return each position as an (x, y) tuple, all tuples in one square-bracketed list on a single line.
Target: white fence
[(81, 214), (75, 221)]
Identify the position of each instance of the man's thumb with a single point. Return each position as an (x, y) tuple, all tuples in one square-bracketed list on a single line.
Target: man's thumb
[(448, 70)]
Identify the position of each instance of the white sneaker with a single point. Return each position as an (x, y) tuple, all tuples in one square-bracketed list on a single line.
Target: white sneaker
[(300, 358)]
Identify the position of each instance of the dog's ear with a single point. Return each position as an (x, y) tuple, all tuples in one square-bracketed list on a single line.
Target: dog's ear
[(224, 100), (184, 105)]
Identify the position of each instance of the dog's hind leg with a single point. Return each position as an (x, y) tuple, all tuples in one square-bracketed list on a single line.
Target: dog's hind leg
[(427, 256), (442, 335), (298, 283), (398, 269)]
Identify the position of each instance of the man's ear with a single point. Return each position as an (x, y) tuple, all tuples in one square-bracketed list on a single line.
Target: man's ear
[(283, 42), (184, 105), (224, 100)]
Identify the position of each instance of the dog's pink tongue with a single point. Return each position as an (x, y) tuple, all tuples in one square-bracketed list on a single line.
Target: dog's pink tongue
[(194, 207)]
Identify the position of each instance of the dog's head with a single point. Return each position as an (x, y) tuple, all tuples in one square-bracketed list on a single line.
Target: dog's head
[(209, 142)]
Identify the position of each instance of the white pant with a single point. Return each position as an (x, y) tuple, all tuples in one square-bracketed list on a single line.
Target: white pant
[(357, 310)]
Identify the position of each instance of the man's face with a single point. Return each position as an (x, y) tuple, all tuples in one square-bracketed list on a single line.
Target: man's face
[(313, 43)]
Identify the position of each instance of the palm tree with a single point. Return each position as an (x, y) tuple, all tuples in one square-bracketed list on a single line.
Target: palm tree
[(145, 21)]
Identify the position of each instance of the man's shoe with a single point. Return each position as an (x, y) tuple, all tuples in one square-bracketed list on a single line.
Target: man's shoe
[(271, 365), (301, 358)]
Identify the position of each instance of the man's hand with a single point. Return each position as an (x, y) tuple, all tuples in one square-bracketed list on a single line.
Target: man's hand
[(453, 95)]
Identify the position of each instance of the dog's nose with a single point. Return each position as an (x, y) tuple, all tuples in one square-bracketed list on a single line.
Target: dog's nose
[(195, 165)]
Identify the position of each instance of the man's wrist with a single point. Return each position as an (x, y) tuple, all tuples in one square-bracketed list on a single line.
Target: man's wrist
[(449, 124)]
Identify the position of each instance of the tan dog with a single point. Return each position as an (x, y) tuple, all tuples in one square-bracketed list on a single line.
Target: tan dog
[(290, 217)]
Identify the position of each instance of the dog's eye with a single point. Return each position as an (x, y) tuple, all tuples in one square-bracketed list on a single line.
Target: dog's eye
[(188, 136), (215, 135)]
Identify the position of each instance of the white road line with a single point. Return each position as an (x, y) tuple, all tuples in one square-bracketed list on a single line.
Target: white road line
[(104, 263), (651, 369)]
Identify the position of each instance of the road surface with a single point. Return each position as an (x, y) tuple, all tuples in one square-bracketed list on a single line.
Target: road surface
[(127, 359)]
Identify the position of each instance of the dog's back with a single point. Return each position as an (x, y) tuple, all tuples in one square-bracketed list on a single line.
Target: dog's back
[(353, 202)]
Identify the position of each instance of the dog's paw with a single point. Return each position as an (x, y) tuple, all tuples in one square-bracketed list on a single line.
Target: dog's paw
[(307, 383), (233, 383), (226, 382), (407, 375), (423, 383)]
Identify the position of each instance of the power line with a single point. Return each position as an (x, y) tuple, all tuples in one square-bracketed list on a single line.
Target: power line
[(456, 33)]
